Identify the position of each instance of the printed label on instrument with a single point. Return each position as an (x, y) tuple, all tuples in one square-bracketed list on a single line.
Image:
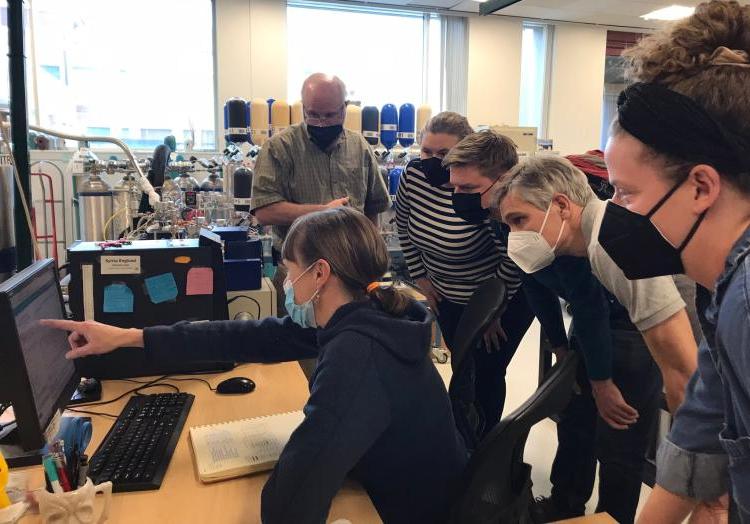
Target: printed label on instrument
[(388, 127), (120, 265), (237, 131), (370, 134), (405, 135), (243, 201)]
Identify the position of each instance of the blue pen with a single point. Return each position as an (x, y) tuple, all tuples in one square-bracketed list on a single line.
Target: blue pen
[(51, 470)]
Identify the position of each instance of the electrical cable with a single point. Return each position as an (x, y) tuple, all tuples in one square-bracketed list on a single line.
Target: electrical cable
[(249, 298), (130, 392), (91, 412), (137, 391), (110, 219), (169, 377)]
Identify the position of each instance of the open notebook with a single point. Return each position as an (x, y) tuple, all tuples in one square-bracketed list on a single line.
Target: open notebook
[(240, 447)]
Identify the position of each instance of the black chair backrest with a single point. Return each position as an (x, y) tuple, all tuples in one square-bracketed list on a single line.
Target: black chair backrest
[(496, 478), (485, 305)]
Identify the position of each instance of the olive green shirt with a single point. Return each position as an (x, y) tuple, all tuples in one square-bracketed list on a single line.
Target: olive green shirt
[(290, 168)]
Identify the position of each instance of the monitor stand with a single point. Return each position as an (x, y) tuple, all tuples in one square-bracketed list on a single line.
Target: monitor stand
[(15, 455)]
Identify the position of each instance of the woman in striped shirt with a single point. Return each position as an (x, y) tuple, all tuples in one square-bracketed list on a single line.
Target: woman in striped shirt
[(449, 257)]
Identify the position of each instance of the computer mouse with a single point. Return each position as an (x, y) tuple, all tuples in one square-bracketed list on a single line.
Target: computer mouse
[(235, 385)]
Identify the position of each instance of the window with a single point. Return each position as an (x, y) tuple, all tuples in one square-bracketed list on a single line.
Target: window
[(535, 54), (4, 64), (382, 56), (140, 69)]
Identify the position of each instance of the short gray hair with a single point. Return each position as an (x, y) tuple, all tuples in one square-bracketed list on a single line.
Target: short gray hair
[(537, 179)]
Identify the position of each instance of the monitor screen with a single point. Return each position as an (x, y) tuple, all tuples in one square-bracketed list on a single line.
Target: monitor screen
[(30, 296)]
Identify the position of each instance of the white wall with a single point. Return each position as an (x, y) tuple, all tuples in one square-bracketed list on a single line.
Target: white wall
[(494, 71), (251, 51), (577, 88)]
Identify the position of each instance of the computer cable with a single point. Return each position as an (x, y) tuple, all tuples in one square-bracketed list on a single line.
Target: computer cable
[(129, 392), (257, 304), (170, 377)]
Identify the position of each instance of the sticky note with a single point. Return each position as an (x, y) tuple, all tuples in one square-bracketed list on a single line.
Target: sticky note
[(161, 288), (118, 298), (200, 281), (182, 260)]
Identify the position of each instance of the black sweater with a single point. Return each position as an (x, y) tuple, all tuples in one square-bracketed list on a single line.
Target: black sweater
[(378, 410)]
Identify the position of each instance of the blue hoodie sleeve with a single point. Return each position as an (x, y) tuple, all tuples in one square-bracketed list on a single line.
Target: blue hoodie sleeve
[(268, 340), (347, 412)]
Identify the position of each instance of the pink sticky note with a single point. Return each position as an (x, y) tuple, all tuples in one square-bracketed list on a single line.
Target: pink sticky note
[(200, 281)]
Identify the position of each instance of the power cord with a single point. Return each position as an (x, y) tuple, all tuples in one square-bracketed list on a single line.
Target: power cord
[(257, 304)]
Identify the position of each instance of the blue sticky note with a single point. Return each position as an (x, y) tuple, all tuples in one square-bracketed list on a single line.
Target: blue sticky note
[(118, 298), (161, 288)]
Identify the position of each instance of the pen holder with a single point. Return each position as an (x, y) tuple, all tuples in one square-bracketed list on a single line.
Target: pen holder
[(74, 507)]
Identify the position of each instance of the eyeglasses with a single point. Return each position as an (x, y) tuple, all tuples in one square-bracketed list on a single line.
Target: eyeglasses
[(314, 118)]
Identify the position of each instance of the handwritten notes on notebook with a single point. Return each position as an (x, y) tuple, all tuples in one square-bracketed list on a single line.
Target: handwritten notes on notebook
[(237, 448)]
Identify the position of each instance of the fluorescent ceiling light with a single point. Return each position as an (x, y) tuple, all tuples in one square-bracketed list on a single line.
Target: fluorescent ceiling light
[(673, 12), (480, 1)]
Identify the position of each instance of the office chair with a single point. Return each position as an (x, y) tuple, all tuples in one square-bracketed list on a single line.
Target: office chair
[(487, 303), (496, 485)]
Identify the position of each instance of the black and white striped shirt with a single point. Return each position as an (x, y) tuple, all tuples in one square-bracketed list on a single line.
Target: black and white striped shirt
[(455, 255)]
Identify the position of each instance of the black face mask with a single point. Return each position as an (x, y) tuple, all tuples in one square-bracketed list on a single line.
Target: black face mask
[(636, 245), (323, 136), (436, 174), (469, 207)]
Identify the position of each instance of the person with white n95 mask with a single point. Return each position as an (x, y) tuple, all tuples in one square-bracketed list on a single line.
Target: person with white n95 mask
[(529, 250), (618, 325)]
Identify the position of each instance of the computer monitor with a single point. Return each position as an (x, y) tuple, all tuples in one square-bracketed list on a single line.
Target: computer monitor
[(35, 377)]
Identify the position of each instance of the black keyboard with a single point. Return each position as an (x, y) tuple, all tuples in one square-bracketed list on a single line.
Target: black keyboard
[(136, 452)]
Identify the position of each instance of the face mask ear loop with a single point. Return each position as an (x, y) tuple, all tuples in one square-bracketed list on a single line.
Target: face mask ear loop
[(559, 235), (491, 185), (305, 271), (546, 216), (665, 198), (692, 232)]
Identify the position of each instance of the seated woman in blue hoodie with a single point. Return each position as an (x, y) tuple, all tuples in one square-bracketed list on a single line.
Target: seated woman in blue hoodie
[(378, 410)]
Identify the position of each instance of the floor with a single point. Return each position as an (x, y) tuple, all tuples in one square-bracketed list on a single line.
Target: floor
[(542, 443)]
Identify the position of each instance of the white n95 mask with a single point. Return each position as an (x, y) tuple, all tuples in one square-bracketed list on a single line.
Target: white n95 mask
[(530, 251)]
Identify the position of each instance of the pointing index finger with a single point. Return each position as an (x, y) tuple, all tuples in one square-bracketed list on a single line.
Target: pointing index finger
[(68, 325)]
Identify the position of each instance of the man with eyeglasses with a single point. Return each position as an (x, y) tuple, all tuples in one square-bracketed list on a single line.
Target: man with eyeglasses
[(315, 165)]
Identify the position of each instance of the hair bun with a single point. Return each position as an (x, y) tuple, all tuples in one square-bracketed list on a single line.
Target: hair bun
[(689, 46)]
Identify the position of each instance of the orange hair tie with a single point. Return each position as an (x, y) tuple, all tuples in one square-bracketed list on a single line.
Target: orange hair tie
[(372, 287)]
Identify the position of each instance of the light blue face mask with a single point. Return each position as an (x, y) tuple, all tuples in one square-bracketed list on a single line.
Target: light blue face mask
[(301, 314)]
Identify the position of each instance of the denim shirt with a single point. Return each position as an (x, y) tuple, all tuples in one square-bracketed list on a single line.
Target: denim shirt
[(707, 450)]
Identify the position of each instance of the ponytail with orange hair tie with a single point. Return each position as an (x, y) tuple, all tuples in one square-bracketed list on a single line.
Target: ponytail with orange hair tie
[(372, 286)]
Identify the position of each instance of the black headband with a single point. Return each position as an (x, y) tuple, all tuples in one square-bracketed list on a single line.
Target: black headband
[(674, 124)]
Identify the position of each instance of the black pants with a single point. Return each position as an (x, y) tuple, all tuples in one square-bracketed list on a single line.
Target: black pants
[(482, 376), (583, 437)]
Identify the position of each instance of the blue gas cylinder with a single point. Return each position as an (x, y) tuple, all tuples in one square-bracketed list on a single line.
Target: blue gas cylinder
[(406, 125), (388, 126)]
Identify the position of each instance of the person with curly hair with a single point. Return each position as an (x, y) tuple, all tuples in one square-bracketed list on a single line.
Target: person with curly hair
[(679, 159)]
